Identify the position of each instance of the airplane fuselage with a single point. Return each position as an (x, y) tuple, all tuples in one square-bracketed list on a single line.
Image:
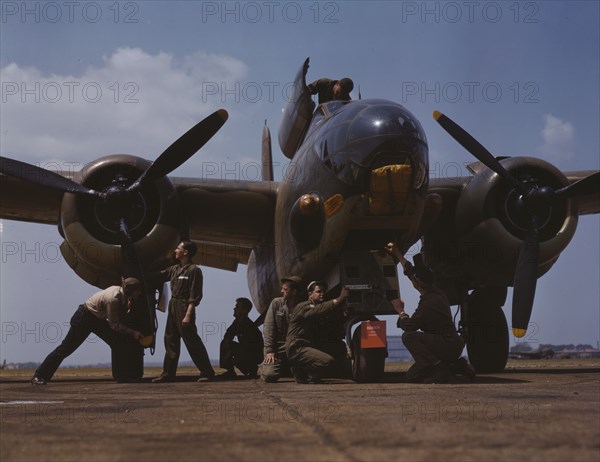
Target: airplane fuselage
[(358, 180)]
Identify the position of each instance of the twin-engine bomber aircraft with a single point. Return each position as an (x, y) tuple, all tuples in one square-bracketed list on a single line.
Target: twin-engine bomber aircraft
[(360, 179)]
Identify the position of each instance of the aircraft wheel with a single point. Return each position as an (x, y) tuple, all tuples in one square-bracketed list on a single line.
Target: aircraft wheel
[(368, 363), (486, 330)]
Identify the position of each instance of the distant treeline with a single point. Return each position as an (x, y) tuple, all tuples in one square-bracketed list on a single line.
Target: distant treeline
[(525, 347)]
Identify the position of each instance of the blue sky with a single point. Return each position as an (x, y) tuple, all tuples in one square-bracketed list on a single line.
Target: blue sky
[(88, 79)]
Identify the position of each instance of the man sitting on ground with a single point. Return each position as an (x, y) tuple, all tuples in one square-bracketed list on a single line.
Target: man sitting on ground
[(247, 352)]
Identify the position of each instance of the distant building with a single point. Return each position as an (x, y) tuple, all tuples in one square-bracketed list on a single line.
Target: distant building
[(578, 353)]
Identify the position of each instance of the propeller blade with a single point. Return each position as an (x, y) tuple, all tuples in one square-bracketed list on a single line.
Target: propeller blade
[(525, 282), (184, 148), (131, 267), (588, 185), (42, 177), (476, 149)]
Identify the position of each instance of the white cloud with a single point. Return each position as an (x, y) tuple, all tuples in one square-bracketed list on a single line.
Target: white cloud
[(559, 138), (135, 102)]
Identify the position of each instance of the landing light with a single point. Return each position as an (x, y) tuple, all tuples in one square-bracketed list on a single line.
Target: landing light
[(309, 204), (333, 205)]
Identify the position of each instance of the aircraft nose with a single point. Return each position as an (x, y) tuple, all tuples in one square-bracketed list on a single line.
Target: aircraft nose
[(368, 135), (389, 189), (395, 162)]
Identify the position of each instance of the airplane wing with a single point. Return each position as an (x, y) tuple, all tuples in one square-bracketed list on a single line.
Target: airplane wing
[(24, 201), (587, 205), (226, 218)]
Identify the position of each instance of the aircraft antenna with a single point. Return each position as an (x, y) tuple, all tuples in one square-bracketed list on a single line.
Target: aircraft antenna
[(267, 154)]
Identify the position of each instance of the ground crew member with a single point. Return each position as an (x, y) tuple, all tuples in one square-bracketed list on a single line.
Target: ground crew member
[(331, 90), (247, 352), (100, 315), (275, 328), (429, 334), (186, 293), (308, 362)]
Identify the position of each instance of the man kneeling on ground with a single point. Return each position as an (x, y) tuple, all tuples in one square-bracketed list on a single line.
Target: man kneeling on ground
[(310, 363), (429, 334)]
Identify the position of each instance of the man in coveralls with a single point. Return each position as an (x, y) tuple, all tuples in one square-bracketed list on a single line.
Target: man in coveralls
[(275, 328), (429, 334), (186, 293), (308, 361)]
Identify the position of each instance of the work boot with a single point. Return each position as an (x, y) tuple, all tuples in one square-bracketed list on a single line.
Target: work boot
[(299, 375), (206, 377), (440, 374), (35, 380), (416, 375), (228, 374), (462, 367), (162, 378)]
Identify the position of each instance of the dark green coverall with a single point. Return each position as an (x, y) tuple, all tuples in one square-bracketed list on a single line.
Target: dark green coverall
[(304, 338), (430, 334), (186, 288)]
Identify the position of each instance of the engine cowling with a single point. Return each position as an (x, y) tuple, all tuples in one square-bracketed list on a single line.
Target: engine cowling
[(92, 242), (491, 222)]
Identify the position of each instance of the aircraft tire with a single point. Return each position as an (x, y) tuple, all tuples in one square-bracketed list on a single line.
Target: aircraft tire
[(368, 363), (486, 330)]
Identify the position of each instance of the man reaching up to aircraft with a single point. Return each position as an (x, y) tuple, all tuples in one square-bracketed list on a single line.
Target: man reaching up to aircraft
[(429, 334), (308, 362)]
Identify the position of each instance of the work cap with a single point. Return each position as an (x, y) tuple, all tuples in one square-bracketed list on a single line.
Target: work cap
[(294, 279), (424, 275), (317, 283), (346, 84), (130, 284)]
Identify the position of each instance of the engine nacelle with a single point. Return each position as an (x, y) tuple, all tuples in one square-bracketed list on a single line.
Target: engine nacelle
[(492, 222), (92, 238)]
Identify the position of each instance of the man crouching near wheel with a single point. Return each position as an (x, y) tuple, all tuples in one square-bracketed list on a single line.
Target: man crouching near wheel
[(429, 334)]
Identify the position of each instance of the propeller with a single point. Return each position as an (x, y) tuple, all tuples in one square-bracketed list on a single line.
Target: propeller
[(118, 198), (42, 177), (131, 267), (536, 201), (174, 156), (184, 148)]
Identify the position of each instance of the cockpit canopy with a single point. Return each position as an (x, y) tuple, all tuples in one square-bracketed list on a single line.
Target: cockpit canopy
[(354, 137)]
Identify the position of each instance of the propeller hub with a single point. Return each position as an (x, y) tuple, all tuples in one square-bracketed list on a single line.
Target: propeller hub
[(540, 198), (120, 208)]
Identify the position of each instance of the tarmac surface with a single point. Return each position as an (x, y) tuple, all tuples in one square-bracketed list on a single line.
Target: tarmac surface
[(536, 410)]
